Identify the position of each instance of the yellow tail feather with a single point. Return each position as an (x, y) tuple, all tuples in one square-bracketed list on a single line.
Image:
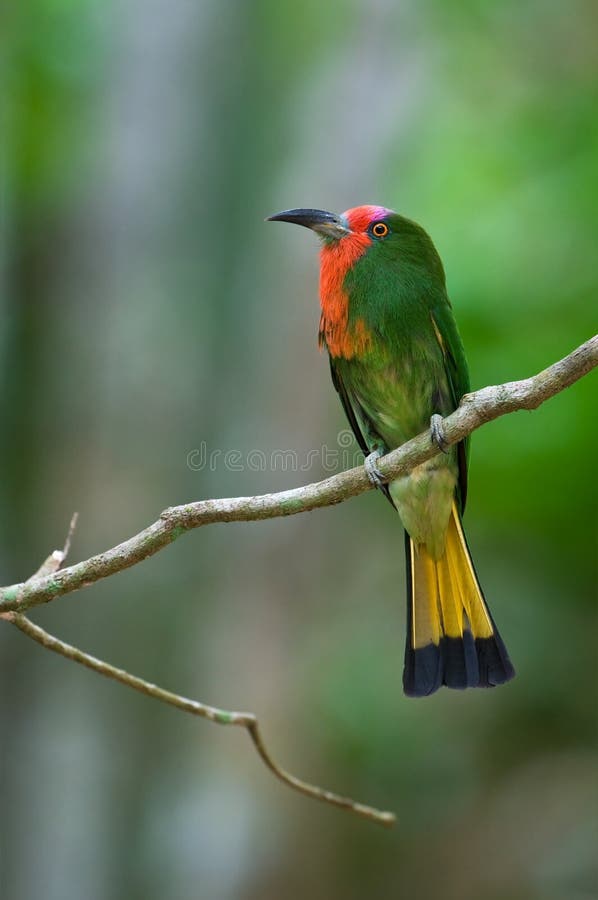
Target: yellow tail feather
[(452, 639), (446, 596)]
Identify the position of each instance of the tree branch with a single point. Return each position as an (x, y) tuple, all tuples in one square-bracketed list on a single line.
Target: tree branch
[(245, 720), (475, 410), (50, 581)]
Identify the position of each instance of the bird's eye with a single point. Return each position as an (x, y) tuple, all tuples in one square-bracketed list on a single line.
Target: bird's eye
[(380, 229)]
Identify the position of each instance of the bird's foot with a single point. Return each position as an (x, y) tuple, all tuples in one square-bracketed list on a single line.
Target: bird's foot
[(437, 435), (372, 471)]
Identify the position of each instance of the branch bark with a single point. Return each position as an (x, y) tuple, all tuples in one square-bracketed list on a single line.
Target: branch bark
[(475, 410), (52, 581)]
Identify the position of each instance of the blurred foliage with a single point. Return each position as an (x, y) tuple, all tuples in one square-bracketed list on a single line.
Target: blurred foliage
[(145, 308)]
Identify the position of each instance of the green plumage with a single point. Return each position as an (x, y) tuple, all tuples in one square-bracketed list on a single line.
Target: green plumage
[(414, 366)]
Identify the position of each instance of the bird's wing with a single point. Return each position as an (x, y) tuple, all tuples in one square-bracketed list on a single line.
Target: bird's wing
[(355, 413), (348, 407), (457, 373)]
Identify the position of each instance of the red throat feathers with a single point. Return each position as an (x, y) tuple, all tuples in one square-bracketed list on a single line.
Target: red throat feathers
[(335, 261)]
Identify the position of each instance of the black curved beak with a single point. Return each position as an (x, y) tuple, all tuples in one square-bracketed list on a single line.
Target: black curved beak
[(326, 224)]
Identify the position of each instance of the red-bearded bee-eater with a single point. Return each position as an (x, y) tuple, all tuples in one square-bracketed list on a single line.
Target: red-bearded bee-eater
[(398, 364)]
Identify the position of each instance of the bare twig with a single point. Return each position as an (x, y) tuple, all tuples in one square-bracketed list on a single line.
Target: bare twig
[(475, 409), (245, 720), (70, 534), (55, 560)]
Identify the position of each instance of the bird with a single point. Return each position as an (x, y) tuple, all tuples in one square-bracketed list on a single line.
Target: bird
[(398, 364)]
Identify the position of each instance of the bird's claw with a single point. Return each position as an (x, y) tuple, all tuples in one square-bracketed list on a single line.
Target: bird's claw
[(372, 471), (437, 435)]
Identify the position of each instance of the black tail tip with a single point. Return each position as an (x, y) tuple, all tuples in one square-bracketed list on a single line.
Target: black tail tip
[(458, 663)]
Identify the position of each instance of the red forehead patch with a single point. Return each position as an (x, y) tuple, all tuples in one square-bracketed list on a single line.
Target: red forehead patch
[(360, 217)]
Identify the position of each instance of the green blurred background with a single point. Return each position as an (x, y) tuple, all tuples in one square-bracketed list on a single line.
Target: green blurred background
[(146, 308)]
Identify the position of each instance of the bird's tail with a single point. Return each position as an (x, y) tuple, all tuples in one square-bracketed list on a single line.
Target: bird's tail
[(451, 637)]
